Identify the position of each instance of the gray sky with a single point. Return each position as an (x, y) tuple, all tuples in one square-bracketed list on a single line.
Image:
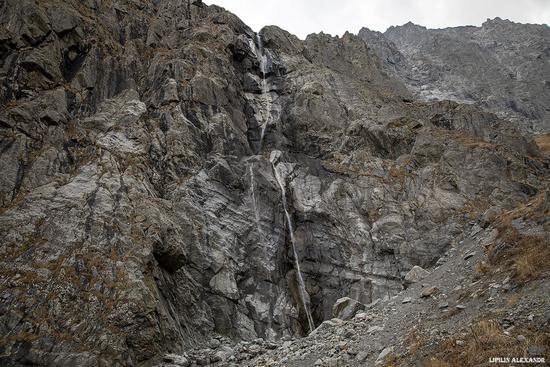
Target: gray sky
[(303, 17)]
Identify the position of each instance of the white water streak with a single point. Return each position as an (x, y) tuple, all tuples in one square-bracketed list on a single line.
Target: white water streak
[(266, 98), (301, 284), (254, 202)]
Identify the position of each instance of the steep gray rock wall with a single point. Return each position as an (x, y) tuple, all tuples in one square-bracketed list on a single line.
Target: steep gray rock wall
[(140, 213), (502, 66)]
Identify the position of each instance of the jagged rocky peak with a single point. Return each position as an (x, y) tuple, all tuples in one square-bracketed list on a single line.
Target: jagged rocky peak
[(171, 179), (408, 27)]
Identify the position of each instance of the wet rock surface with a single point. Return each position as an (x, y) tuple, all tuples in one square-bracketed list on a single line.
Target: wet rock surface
[(172, 194)]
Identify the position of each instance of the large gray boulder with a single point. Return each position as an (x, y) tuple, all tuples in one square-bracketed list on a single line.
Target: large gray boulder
[(416, 274), (345, 308)]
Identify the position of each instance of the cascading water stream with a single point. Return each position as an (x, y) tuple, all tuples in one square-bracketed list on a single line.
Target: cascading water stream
[(266, 118), (266, 111), (270, 334), (253, 198), (301, 284)]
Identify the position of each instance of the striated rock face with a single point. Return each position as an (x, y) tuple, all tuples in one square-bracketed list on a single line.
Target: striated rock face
[(140, 212), (502, 66)]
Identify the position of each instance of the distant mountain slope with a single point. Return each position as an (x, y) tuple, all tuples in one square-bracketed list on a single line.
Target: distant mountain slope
[(502, 66)]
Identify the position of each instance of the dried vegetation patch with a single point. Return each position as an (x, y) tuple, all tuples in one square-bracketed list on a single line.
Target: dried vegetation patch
[(543, 142), (482, 341), (527, 255)]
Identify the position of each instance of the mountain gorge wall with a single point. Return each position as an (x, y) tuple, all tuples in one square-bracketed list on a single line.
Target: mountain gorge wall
[(141, 212)]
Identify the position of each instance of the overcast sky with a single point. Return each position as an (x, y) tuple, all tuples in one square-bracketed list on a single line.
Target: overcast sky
[(303, 17)]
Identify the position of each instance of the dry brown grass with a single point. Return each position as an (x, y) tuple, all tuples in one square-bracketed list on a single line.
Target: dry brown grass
[(357, 167), (406, 122), (400, 172), (464, 138), (543, 142), (434, 362), (533, 210), (527, 256), (532, 258), (414, 341), (484, 339), (481, 268), (22, 336), (473, 208), (475, 142), (514, 299)]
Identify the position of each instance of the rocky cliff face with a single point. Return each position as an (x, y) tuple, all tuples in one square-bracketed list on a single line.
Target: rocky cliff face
[(502, 67), (168, 176)]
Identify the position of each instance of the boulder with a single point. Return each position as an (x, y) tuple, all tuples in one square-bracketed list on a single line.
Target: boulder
[(430, 291), (382, 356), (224, 283), (416, 274), (176, 359), (345, 308)]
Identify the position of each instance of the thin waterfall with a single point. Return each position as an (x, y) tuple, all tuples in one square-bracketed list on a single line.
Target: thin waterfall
[(253, 198), (270, 334), (266, 118), (301, 284), (266, 99)]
